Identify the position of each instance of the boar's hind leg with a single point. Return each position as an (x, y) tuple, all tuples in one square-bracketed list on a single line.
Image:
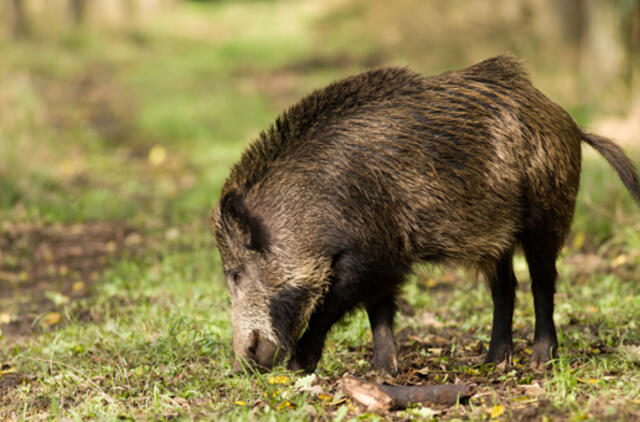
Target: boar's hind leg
[(541, 252), (385, 354), (502, 282)]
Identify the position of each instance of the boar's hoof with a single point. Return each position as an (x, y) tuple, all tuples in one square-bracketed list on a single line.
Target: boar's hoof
[(303, 363), (499, 353), (386, 365), (543, 352)]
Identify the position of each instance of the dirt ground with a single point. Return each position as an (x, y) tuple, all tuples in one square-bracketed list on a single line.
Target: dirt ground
[(43, 267)]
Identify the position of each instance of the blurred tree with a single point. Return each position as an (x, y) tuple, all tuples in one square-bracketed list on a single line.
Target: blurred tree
[(78, 11), (20, 20), (634, 47), (573, 15)]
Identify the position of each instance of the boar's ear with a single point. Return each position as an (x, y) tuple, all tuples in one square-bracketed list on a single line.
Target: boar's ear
[(235, 216)]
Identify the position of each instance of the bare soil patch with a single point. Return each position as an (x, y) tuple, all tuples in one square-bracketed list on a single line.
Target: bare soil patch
[(43, 268)]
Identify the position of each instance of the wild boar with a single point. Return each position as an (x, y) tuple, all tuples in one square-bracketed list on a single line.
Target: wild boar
[(332, 205)]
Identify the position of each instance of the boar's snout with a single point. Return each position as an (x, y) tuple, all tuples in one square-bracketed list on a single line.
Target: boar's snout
[(255, 351)]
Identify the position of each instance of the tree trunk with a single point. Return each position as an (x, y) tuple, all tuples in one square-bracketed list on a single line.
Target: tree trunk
[(20, 24), (574, 18), (634, 49), (79, 11)]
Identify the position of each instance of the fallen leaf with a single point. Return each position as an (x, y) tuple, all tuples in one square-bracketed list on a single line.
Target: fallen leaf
[(240, 403), (77, 286), (5, 317), (172, 234), (619, 261), (429, 318), (325, 397), (52, 318), (366, 393), (157, 155)]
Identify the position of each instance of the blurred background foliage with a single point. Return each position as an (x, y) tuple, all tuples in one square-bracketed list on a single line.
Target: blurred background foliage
[(135, 109)]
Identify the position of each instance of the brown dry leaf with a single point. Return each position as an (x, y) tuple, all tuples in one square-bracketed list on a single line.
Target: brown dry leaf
[(77, 286), (367, 394), (429, 318), (533, 390)]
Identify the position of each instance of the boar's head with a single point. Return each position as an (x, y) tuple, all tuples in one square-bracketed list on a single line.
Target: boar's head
[(272, 292)]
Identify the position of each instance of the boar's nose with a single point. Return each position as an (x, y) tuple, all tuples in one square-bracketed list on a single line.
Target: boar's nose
[(257, 352)]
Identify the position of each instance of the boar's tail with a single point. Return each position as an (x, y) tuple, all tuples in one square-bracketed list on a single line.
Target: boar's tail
[(618, 159)]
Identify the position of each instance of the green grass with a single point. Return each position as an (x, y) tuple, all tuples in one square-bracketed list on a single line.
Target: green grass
[(140, 127)]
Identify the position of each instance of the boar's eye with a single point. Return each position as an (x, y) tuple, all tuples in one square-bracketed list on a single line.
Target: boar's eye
[(235, 278)]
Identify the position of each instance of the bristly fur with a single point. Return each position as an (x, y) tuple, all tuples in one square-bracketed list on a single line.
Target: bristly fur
[(312, 113), (349, 187)]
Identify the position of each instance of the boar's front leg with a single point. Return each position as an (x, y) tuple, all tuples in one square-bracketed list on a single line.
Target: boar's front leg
[(385, 353), (308, 350), (357, 280)]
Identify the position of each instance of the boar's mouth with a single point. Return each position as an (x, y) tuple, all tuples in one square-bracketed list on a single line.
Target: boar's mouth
[(287, 309)]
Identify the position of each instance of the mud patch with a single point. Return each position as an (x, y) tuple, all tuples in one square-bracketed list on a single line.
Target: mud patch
[(44, 268)]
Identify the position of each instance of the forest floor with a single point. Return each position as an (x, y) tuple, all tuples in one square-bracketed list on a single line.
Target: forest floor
[(112, 299)]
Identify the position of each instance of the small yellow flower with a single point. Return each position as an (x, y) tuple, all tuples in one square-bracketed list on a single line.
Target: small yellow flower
[(285, 405), (279, 379), (496, 411)]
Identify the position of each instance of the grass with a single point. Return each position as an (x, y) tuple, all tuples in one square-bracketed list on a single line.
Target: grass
[(137, 130)]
